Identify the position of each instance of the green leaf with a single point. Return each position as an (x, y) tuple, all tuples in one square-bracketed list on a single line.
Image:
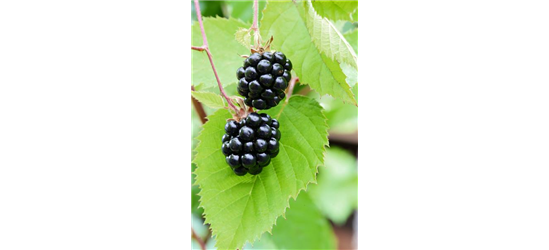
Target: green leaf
[(328, 39), (225, 51), (195, 209), (241, 208), (209, 99), (313, 52), (243, 9), (336, 193), (351, 75), (304, 227), (336, 10), (337, 71), (196, 126)]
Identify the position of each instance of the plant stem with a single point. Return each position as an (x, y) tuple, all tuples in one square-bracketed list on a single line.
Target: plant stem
[(255, 26), (206, 48), (221, 90), (199, 17), (199, 108), (208, 236), (197, 48), (198, 239), (291, 85), (289, 91)]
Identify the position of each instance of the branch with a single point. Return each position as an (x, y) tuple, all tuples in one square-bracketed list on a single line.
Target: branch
[(207, 49), (199, 17), (198, 108), (208, 236), (198, 239), (197, 48)]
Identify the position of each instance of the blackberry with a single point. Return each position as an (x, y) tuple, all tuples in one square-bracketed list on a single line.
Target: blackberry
[(263, 79), (249, 145)]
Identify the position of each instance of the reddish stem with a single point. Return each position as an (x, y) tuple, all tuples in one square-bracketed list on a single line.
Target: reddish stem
[(219, 83), (198, 239), (199, 17), (289, 91), (198, 108), (197, 48), (255, 26), (206, 48), (291, 85)]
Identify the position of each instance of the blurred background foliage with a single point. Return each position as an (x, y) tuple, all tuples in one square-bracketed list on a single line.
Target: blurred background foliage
[(335, 194)]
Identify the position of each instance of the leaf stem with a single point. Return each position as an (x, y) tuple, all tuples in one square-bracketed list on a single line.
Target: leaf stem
[(198, 239), (205, 47), (198, 108)]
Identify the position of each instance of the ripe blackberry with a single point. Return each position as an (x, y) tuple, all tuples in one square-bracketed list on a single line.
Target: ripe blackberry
[(263, 79), (249, 145)]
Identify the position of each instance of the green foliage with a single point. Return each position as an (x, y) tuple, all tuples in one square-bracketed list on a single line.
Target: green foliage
[(328, 39), (209, 99), (313, 44), (208, 8), (241, 208), (321, 39), (336, 10), (336, 193), (351, 76), (195, 127), (242, 9), (225, 49), (304, 227), (342, 118), (195, 209)]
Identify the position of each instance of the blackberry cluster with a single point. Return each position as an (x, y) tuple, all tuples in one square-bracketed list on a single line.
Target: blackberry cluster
[(249, 145), (263, 79)]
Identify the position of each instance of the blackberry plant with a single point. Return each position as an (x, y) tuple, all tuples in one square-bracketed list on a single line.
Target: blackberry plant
[(246, 174)]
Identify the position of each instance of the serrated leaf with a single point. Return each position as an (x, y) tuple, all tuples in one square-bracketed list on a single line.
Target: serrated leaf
[(338, 72), (336, 193), (241, 208), (336, 10), (287, 23), (304, 227), (196, 126), (351, 75), (313, 232), (225, 50), (244, 37), (327, 38), (195, 210), (209, 99)]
